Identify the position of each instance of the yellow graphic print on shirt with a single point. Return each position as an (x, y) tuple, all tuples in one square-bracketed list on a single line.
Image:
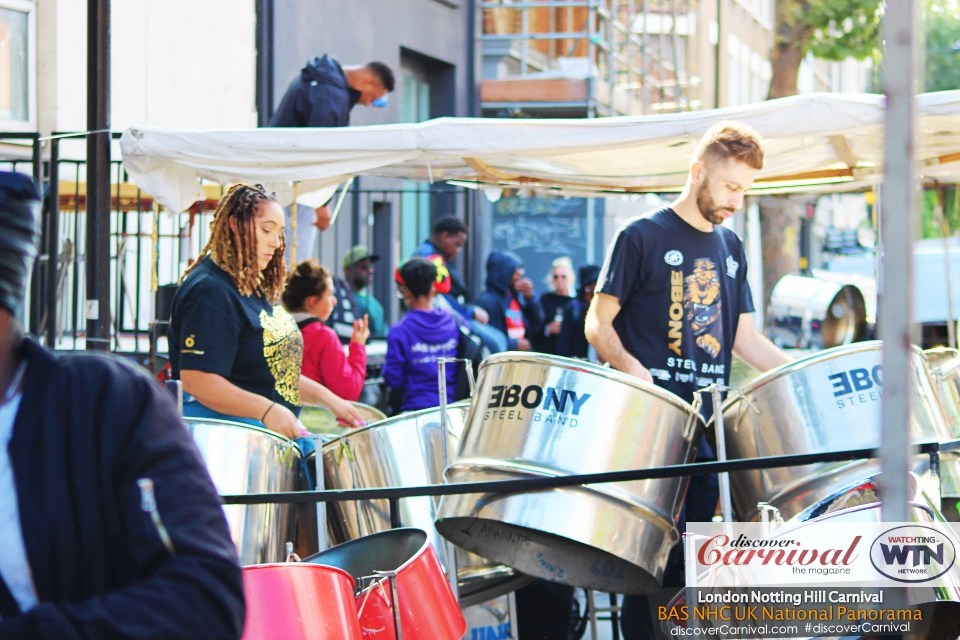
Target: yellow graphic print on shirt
[(283, 349), (701, 299)]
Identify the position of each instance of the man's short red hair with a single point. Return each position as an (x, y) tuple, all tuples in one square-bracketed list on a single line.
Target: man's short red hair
[(729, 139)]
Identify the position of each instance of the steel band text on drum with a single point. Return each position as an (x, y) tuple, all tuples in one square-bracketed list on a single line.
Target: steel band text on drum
[(857, 381), (563, 401)]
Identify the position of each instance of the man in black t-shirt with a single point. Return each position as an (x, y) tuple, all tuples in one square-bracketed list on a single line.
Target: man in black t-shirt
[(673, 304)]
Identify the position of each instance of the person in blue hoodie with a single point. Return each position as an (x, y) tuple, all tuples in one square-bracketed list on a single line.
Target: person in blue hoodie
[(324, 93), (416, 342), (509, 300), (322, 96)]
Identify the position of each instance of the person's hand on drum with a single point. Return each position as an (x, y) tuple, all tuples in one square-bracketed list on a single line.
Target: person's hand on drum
[(281, 420), (346, 412), (361, 330), (640, 371)]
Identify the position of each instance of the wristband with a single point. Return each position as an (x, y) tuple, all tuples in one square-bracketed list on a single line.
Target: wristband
[(272, 404)]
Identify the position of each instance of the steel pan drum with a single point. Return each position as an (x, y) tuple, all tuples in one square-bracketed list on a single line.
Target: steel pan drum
[(294, 601), (244, 459), (405, 451), (320, 420), (829, 401), (944, 365), (537, 416), (428, 608)]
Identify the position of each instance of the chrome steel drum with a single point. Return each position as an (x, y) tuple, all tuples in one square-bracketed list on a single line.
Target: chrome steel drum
[(535, 416), (829, 401), (321, 421), (243, 459), (403, 451), (944, 365)]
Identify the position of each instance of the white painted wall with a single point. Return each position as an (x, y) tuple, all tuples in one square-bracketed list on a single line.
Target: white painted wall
[(175, 63)]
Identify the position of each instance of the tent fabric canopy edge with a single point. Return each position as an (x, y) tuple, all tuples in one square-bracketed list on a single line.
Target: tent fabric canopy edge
[(806, 137)]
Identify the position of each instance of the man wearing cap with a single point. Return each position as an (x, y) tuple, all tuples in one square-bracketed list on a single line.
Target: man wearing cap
[(354, 298), (109, 524), (357, 271)]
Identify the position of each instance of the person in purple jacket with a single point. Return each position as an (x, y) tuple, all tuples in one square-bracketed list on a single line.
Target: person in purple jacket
[(416, 342)]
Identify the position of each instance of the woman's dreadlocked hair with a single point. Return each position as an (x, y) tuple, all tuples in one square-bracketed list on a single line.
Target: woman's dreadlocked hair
[(235, 249)]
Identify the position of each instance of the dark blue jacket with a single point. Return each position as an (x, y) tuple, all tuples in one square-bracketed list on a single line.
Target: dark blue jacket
[(88, 428), (496, 299), (319, 97), (413, 346)]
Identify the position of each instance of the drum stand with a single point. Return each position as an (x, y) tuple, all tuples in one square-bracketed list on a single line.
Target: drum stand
[(451, 549), (726, 502)]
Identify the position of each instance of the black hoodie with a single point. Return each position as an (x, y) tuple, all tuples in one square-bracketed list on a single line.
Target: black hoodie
[(319, 97)]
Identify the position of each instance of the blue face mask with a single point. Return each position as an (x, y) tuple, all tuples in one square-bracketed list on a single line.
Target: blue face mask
[(380, 102)]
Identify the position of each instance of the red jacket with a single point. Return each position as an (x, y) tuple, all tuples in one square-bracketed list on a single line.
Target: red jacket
[(325, 361)]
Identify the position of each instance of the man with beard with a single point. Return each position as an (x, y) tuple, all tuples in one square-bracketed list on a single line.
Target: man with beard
[(673, 304)]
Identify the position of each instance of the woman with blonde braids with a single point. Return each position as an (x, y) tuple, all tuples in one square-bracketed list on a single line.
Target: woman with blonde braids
[(237, 352)]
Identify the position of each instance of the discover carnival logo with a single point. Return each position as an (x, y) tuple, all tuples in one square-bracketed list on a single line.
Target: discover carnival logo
[(673, 258), (912, 553)]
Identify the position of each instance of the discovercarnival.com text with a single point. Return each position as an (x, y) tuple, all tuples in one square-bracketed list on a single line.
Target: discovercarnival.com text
[(790, 631)]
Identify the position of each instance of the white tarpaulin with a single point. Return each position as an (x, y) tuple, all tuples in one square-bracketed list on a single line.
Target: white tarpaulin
[(810, 139)]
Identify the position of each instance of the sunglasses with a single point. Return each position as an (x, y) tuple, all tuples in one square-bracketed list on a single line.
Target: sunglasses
[(559, 276), (399, 292)]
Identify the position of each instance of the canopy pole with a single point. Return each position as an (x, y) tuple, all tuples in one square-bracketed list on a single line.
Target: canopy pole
[(293, 229), (898, 214), (98, 176)]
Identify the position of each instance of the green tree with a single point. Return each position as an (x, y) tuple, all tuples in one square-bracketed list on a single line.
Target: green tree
[(830, 29), (941, 20)]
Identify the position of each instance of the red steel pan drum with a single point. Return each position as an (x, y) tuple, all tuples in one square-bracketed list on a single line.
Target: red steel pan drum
[(428, 609), (296, 601)]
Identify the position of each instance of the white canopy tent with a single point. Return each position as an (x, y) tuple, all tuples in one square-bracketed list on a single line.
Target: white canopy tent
[(814, 140)]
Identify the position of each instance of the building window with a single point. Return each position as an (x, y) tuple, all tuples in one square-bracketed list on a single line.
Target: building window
[(16, 63)]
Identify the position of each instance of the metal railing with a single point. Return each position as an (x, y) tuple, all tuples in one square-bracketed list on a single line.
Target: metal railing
[(395, 494)]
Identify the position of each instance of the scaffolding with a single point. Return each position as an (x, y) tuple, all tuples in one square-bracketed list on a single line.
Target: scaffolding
[(553, 58)]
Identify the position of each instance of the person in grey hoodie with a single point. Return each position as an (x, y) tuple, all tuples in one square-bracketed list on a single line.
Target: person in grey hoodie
[(509, 300), (416, 342)]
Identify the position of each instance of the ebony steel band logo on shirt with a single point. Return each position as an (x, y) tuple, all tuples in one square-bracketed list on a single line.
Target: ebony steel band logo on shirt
[(696, 299), (554, 404)]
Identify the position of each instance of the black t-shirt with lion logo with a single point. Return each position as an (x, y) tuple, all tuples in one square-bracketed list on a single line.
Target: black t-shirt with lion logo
[(681, 293)]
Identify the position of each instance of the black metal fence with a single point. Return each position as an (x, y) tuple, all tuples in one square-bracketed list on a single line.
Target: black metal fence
[(151, 246)]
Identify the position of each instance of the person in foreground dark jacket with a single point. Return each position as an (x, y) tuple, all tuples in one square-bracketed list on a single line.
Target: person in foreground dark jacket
[(509, 300), (324, 93), (95, 446)]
